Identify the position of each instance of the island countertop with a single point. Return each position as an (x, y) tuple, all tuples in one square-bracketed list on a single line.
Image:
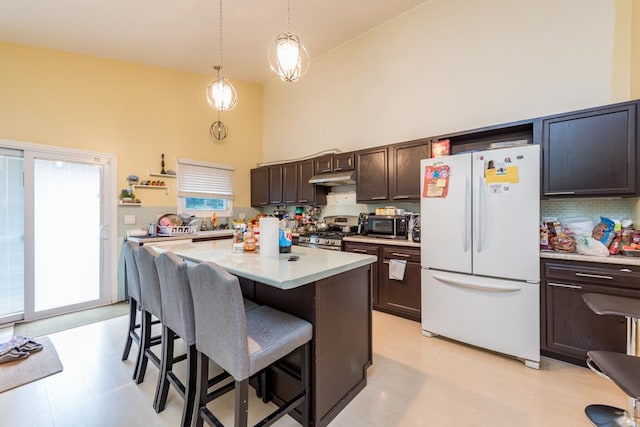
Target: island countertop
[(312, 265)]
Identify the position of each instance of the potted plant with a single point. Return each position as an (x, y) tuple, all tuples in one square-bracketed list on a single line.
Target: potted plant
[(126, 196)]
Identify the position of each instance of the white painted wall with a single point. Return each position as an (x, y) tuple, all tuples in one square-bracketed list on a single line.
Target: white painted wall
[(448, 65)]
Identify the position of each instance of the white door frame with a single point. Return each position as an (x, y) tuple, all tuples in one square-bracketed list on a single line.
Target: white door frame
[(109, 165)]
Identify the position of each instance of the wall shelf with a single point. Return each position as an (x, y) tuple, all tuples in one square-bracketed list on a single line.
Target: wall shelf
[(161, 174), (155, 187), (130, 203)]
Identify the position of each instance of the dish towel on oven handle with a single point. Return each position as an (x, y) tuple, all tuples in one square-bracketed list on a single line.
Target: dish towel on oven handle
[(396, 269)]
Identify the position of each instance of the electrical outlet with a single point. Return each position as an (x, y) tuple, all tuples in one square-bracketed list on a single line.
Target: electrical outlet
[(129, 219)]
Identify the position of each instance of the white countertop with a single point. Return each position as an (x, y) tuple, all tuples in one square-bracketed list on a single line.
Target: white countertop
[(382, 241), (198, 235), (313, 264), (613, 259)]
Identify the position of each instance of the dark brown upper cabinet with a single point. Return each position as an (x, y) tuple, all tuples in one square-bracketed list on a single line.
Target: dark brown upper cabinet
[(323, 164), (309, 194), (344, 162), (591, 152), (290, 183), (404, 169), (275, 185), (334, 163), (260, 187), (372, 175)]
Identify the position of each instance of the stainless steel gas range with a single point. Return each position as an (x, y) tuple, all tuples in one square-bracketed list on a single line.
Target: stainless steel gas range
[(331, 240)]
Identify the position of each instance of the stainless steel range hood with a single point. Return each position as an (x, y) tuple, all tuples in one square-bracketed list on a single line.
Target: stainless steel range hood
[(333, 179)]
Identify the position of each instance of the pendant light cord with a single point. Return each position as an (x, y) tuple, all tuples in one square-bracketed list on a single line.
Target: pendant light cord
[(220, 9), (288, 17)]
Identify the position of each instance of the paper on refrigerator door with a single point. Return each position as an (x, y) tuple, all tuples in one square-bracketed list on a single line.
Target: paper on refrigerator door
[(436, 181), (396, 269)]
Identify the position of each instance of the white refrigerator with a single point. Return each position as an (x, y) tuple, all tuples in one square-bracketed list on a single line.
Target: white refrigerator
[(480, 249)]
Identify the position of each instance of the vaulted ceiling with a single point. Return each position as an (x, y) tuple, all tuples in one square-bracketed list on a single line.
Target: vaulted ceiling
[(183, 34)]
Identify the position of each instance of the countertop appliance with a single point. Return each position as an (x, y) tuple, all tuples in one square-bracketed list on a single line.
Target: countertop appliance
[(415, 234), (386, 226), (480, 249)]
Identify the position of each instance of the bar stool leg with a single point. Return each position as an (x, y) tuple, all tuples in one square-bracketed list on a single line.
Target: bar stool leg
[(241, 403), (145, 343), (133, 308), (166, 365)]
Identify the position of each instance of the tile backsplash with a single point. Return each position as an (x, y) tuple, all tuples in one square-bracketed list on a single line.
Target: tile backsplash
[(587, 208)]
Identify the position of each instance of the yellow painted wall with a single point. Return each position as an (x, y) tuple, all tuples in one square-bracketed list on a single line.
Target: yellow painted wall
[(635, 49), (135, 111)]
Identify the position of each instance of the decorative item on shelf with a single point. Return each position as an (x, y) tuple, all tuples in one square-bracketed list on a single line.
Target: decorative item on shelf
[(221, 94), (162, 171), (287, 55), (127, 196), (133, 179)]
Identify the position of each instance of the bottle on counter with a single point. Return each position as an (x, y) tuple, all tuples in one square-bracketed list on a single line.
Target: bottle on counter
[(284, 239), (249, 241)]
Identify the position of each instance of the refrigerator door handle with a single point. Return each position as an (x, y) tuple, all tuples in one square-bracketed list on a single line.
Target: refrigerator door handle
[(465, 213), (481, 287), (477, 207)]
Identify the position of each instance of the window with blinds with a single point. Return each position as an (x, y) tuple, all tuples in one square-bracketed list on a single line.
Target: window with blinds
[(204, 188)]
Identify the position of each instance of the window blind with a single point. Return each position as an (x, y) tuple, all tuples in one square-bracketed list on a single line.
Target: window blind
[(205, 180)]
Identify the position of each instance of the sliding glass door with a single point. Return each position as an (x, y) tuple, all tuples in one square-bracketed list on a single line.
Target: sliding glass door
[(11, 235), (67, 221)]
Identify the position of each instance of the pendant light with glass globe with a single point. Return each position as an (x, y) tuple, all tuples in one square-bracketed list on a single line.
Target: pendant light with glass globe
[(287, 55), (221, 95)]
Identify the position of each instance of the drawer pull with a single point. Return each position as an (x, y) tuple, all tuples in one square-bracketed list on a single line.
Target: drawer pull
[(626, 270), (594, 276), (379, 198), (559, 285), (360, 251), (303, 201), (401, 255), (559, 193)]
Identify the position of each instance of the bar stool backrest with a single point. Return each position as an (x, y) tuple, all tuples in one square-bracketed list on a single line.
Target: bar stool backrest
[(149, 282), (131, 271), (177, 304), (221, 324)]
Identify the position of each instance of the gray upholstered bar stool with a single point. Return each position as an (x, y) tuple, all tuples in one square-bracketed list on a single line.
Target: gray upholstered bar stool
[(243, 344), (177, 309), (622, 369), (151, 306), (132, 280), (133, 290), (178, 321)]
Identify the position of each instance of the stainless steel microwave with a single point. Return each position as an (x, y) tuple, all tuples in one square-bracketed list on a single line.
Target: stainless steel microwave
[(386, 226)]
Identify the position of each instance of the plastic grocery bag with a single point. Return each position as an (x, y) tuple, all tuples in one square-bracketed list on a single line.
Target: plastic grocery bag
[(586, 245)]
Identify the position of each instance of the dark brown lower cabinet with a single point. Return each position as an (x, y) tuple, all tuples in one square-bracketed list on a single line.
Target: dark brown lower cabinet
[(367, 249), (568, 327), (399, 297)]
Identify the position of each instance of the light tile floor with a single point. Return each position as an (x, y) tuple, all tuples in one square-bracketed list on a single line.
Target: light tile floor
[(414, 381)]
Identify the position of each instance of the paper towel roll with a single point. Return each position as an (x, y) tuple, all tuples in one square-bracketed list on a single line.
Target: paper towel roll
[(269, 237)]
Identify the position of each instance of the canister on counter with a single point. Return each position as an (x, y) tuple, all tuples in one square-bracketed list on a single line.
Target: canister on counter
[(238, 240)]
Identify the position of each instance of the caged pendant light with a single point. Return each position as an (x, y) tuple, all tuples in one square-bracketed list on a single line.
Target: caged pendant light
[(221, 94), (287, 55)]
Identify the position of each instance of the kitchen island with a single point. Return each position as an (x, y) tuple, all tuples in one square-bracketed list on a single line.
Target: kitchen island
[(329, 289)]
